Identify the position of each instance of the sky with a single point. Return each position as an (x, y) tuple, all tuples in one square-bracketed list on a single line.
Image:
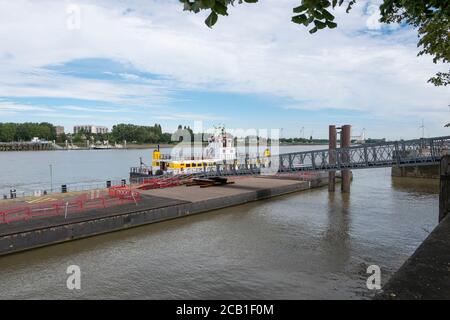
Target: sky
[(105, 62)]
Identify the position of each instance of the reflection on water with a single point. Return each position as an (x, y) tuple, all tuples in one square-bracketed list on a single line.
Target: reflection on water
[(338, 227), (307, 245)]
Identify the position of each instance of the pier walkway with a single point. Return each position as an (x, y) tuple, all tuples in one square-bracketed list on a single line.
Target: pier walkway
[(386, 154)]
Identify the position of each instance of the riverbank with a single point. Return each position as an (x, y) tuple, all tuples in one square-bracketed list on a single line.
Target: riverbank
[(149, 145), (430, 171), (11, 147), (303, 144), (155, 206), (426, 274), (129, 146)]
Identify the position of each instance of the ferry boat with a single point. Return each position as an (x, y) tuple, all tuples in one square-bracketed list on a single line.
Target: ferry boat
[(220, 150)]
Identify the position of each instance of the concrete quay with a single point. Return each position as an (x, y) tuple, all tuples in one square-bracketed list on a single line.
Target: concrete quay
[(426, 274), (430, 171), (156, 205)]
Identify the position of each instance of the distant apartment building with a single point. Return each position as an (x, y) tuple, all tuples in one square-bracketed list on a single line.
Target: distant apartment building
[(59, 130), (90, 129)]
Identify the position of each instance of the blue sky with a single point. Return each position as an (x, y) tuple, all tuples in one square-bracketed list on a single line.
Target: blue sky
[(145, 62)]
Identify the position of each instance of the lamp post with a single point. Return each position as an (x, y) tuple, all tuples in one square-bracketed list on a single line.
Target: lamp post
[(51, 178)]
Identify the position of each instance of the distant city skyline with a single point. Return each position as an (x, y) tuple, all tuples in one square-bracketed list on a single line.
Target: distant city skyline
[(150, 62)]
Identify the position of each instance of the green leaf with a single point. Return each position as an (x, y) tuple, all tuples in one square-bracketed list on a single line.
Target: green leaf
[(300, 9), (220, 8), (318, 15), (327, 15), (196, 7), (320, 24), (331, 24), (313, 30), (212, 19), (299, 19), (208, 3)]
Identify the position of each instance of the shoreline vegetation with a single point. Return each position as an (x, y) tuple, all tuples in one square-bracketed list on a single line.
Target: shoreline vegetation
[(171, 145), (145, 146), (122, 136)]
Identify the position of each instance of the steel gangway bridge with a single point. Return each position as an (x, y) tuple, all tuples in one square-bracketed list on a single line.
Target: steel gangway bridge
[(385, 154), (415, 152)]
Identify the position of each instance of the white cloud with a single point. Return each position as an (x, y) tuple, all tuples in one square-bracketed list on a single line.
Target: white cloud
[(15, 107), (256, 49), (373, 21), (188, 117), (94, 110)]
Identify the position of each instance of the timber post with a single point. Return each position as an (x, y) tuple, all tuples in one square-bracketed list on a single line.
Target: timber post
[(345, 144), (332, 157), (444, 193)]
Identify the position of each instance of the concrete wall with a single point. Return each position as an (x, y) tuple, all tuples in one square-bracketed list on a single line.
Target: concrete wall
[(423, 171), (426, 274)]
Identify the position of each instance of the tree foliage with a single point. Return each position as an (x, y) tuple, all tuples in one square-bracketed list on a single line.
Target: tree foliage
[(26, 131), (430, 17), (139, 134)]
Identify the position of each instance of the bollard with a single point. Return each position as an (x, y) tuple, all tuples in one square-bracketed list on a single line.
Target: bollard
[(64, 188)]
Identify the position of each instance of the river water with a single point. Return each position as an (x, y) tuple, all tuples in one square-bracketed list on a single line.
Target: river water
[(301, 246), (30, 171)]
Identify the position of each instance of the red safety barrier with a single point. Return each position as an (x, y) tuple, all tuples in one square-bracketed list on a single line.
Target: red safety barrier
[(115, 197), (16, 214), (124, 193), (45, 210), (158, 183)]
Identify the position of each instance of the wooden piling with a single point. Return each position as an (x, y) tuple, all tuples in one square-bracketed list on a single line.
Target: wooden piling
[(345, 143), (332, 157), (444, 194)]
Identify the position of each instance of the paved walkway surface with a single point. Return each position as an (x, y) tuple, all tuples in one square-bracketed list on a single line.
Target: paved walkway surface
[(243, 185)]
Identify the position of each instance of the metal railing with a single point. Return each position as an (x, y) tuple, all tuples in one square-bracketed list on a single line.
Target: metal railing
[(115, 196), (73, 187), (387, 154)]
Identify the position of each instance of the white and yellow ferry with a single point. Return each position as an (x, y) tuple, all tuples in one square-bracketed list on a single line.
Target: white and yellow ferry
[(220, 150)]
